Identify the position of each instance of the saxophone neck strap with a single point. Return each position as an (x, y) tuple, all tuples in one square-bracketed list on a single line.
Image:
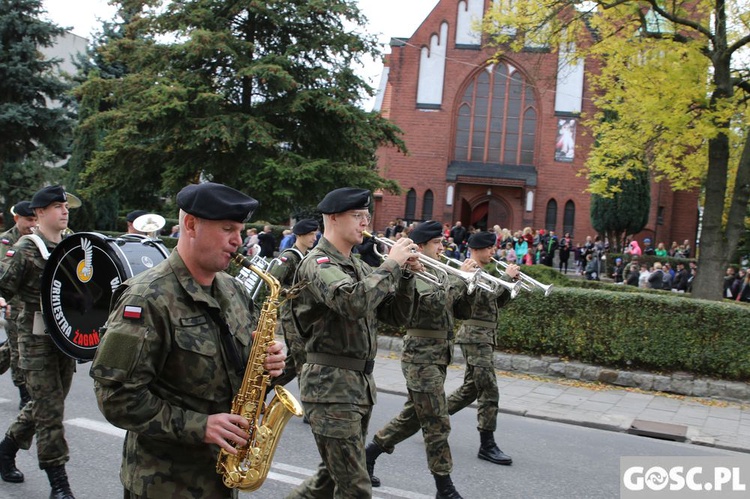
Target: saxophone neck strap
[(227, 341)]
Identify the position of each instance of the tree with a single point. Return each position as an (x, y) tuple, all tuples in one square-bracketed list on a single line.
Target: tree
[(625, 211), (672, 74), (32, 130), (258, 95)]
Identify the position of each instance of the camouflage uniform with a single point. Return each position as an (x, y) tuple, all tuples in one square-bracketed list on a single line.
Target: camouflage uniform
[(9, 349), (476, 337), (427, 352), (162, 368), (284, 272), (47, 371), (337, 314)]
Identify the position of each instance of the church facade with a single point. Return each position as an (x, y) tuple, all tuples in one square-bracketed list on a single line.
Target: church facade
[(496, 141)]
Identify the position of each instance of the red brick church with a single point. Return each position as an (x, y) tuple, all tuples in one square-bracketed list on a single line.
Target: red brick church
[(495, 143)]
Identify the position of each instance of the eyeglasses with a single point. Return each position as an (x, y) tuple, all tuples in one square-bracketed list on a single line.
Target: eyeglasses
[(362, 217)]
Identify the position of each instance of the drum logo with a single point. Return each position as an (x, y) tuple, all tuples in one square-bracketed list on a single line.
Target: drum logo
[(85, 269)]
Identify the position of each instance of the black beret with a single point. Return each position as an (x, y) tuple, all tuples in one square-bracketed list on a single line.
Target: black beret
[(130, 217), (48, 195), (480, 240), (305, 226), (216, 202), (22, 209), (345, 199), (426, 231)]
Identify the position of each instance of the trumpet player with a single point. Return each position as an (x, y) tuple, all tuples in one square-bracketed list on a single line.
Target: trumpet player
[(476, 337), (427, 352)]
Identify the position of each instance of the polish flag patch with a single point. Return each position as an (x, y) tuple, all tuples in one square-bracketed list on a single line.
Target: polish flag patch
[(6, 241), (132, 312), (322, 259), (283, 259), (10, 253)]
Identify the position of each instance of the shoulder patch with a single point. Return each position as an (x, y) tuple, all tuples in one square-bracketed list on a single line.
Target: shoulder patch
[(6, 241), (10, 253), (283, 259), (132, 312), (322, 259)]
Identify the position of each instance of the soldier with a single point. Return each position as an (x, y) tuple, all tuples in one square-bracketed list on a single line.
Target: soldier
[(174, 353), (427, 352), (48, 372), (130, 218), (305, 231), (25, 221), (336, 314), (476, 338)]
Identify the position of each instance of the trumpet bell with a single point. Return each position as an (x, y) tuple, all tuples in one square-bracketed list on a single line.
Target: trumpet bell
[(148, 223)]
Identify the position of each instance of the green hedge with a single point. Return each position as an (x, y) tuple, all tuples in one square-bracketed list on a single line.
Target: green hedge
[(651, 331)]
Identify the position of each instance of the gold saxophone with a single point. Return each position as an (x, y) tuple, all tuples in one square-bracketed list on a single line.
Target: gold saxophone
[(248, 469)]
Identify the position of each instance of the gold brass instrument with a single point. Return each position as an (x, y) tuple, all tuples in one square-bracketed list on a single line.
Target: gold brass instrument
[(528, 283), (248, 469), (150, 224), (489, 282)]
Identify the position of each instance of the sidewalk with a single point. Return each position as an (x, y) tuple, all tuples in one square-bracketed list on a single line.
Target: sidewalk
[(699, 421)]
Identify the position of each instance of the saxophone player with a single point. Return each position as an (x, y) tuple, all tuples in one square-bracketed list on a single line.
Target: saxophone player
[(178, 337)]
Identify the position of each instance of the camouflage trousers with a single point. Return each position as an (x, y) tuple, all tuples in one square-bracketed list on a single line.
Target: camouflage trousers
[(49, 374), (480, 384), (340, 431), (296, 356), (426, 408), (9, 355)]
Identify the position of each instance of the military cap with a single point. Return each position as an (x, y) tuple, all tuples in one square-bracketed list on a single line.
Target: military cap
[(130, 217), (305, 226), (426, 231), (481, 240), (48, 195), (22, 209), (213, 201), (345, 199)]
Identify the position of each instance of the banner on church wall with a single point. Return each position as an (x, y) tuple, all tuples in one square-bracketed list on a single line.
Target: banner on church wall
[(566, 140)]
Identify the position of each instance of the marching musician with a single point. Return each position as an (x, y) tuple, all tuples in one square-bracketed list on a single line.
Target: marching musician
[(305, 231), (130, 218), (47, 370), (427, 352), (476, 337), (336, 314), (175, 351), (25, 220)]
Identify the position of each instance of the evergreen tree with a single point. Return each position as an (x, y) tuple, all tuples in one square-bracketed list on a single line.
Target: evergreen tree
[(258, 95), (28, 83), (623, 212)]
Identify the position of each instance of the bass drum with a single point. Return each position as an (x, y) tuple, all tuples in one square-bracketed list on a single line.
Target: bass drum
[(79, 279)]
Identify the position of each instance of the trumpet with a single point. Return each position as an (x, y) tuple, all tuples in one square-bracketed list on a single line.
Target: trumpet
[(472, 279), (528, 283), (489, 282)]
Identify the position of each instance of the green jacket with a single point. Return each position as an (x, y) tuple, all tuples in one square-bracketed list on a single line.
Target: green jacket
[(162, 368)]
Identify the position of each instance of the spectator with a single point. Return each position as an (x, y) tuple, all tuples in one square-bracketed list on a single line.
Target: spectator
[(390, 231), (674, 250), (633, 276), (510, 253), (565, 247), (686, 252), (680, 281), (618, 271), (580, 258), (287, 240), (592, 268), (744, 293), (661, 251), (175, 231), (540, 255), (656, 278), (731, 284), (643, 277), (550, 247), (647, 248), (633, 249), (250, 243), (667, 278), (522, 249), (459, 235), (451, 249), (267, 242), (691, 278)]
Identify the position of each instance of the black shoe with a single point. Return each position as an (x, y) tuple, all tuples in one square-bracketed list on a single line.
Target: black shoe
[(372, 451), (25, 397), (445, 488), (8, 470), (489, 451), (58, 480), (305, 419)]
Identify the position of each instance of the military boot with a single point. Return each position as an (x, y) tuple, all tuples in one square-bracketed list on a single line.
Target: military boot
[(58, 480), (25, 396), (372, 451), (8, 470), (489, 451), (445, 488)]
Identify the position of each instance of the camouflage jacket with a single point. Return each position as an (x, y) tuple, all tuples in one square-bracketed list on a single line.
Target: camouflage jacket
[(8, 239), (161, 369), (284, 272), (435, 311), (21, 269), (337, 314), (484, 307)]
